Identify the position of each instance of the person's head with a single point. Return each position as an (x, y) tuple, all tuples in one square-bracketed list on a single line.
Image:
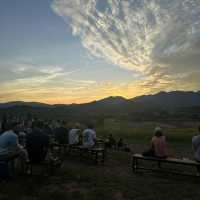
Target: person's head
[(77, 125), (12, 126), (37, 124), (90, 126), (158, 132)]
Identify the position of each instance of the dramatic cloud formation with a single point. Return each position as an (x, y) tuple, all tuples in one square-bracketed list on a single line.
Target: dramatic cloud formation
[(158, 39), (120, 47)]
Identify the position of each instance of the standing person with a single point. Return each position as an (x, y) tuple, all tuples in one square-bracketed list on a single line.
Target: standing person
[(196, 145), (37, 143), (158, 145), (89, 136), (73, 135)]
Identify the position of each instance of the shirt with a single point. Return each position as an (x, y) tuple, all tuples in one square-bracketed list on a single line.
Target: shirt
[(73, 136), (89, 137), (196, 146), (8, 142), (159, 146)]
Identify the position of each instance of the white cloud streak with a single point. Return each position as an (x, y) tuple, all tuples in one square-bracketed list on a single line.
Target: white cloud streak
[(150, 37)]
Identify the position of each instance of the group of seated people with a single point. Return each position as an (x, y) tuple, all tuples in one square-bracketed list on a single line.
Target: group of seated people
[(87, 138), (32, 143), (120, 145)]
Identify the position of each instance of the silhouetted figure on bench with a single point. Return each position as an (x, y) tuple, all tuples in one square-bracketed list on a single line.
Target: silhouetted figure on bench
[(74, 135), (111, 142), (37, 143), (122, 146), (89, 136), (158, 146), (10, 147), (61, 134)]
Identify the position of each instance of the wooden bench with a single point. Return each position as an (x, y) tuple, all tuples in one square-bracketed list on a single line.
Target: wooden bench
[(96, 153), (184, 162)]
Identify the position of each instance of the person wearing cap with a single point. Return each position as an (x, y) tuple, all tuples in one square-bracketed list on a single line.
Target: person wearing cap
[(158, 146)]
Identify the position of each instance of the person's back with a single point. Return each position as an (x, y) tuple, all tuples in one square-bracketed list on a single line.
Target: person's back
[(37, 145), (120, 144), (8, 142), (159, 146), (61, 135), (89, 137), (73, 136)]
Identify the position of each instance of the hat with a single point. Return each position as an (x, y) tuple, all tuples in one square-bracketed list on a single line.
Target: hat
[(157, 129)]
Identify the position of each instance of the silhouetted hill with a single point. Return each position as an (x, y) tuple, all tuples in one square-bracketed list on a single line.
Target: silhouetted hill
[(112, 100), (22, 103), (163, 105), (170, 99)]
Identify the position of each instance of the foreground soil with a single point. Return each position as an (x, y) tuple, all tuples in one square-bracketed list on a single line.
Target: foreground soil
[(114, 180)]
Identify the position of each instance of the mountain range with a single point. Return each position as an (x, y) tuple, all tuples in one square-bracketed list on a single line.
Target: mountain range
[(166, 99), (160, 105)]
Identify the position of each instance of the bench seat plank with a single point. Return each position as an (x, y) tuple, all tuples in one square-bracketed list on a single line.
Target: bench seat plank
[(186, 162), (169, 160)]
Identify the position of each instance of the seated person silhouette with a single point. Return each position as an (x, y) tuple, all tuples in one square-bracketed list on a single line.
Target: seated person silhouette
[(37, 143), (158, 146), (74, 134), (89, 137)]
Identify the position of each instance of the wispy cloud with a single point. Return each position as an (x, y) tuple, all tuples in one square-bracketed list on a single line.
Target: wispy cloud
[(158, 39), (32, 82)]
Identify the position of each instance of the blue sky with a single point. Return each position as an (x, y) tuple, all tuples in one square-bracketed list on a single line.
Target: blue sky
[(66, 51)]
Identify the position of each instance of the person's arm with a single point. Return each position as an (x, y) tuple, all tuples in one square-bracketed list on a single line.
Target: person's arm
[(193, 145), (152, 144), (94, 137)]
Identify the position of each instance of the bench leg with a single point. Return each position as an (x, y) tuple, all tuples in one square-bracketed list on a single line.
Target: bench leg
[(96, 157), (198, 170), (134, 164), (103, 156)]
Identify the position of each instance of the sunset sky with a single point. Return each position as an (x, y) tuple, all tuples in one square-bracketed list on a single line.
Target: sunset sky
[(75, 51)]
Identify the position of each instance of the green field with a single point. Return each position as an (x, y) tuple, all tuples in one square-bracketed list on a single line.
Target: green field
[(139, 134), (80, 179)]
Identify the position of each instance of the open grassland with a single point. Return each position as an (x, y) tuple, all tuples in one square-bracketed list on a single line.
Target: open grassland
[(138, 134), (114, 180)]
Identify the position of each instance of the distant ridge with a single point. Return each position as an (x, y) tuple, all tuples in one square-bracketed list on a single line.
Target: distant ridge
[(166, 99), (22, 103), (170, 99)]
